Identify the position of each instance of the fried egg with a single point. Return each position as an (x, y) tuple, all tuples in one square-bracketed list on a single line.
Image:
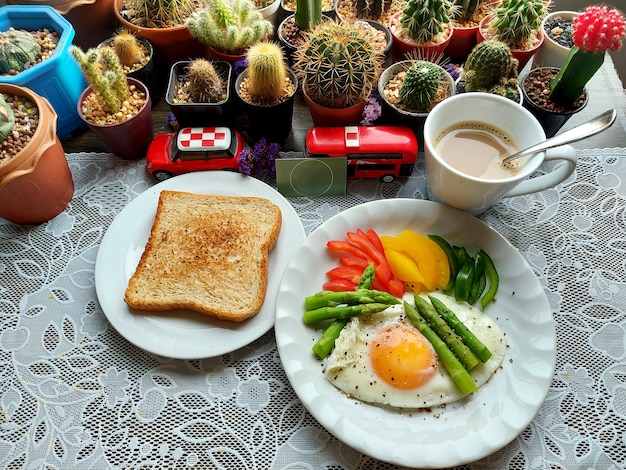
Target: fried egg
[(383, 359)]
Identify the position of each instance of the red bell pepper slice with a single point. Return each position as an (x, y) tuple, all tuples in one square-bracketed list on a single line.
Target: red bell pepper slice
[(343, 246), (346, 272), (339, 285), (353, 261)]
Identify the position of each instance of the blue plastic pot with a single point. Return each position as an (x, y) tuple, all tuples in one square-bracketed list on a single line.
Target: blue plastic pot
[(58, 78)]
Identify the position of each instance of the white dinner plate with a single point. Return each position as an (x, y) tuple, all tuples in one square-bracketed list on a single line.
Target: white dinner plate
[(183, 334), (459, 433)]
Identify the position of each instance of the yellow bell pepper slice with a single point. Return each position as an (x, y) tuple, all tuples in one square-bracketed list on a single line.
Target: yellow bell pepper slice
[(440, 256), (423, 257)]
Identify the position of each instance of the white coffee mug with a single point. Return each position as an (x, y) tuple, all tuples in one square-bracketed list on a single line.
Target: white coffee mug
[(473, 194)]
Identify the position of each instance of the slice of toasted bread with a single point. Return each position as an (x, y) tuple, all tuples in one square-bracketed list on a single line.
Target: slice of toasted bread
[(208, 254)]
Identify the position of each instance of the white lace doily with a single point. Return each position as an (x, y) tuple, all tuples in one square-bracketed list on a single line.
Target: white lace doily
[(75, 394)]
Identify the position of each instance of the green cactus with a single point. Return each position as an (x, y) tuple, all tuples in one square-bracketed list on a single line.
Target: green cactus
[(337, 64), (491, 68), (371, 8), (308, 13), (205, 84), (7, 119), (517, 20), (17, 49), (103, 71), (126, 46), (426, 19), (267, 71), (161, 13), (465, 9), (420, 85), (230, 27)]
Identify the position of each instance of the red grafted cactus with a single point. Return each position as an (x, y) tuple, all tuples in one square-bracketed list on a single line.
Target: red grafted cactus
[(598, 29)]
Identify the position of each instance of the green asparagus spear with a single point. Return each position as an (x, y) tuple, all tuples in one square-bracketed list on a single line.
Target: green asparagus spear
[(478, 348), (459, 375), (359, 296), (367, 278), (443, 330), (342, 311)]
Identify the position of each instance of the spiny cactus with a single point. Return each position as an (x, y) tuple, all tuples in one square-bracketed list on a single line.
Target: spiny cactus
[(7, 119), (205, 83), (104, 73), (267, 71), (465, 9), (126, 46), (490, 67), (420, 85), (17, 49), (426, 19), (371, 8), (517, 20), (595, 31), (161, 13), (230, 27), (338, 64)]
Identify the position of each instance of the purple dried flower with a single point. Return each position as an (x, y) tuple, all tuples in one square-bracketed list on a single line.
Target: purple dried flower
[(240, 65), (453, 70), (245, 161), (261, 157), (372, 110)]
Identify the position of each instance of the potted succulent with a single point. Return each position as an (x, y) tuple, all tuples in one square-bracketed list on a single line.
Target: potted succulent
[(423, 29), (163, 23), (35, 180), (114, 106), (491, 68), (136, 56), (517, 23), (269, 9), (199, 92), (291, 30), (553, 94), (57, 77), (228, 29), (467, 15), (267, 88), (338, 68), (410, 89)]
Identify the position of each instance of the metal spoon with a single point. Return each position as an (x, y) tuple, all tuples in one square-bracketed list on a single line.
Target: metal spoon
[(587, 129)]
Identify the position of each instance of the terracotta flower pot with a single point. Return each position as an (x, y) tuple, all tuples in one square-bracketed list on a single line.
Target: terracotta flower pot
[(130, 139), (402, 49), (462, 42), (334, 117), (522, 55), (36, 184)]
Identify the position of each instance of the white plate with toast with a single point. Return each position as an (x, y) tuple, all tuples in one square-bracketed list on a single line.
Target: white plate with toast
[(464, 431), (183, 334)]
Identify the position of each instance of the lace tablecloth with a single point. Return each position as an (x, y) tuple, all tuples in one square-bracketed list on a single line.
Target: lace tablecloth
[(75, 394)]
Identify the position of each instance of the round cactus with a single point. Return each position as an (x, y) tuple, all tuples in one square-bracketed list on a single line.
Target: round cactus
[(338, 64), (17, 50), (267, 71), (205, 83), (517, 20), (488, 63), (420, 85), (598, 29), (426, 19)]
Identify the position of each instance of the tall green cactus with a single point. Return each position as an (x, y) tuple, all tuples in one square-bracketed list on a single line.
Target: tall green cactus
[(308, 13), (517, 20), (373, 9), (230, 27), (337, 64), (426, 19), (490, 67), (103, 71), (465, 9), (17, 49), (267, 71), (420, 85)]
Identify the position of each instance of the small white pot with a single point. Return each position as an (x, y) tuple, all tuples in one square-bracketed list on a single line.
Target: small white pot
[(552, 54)]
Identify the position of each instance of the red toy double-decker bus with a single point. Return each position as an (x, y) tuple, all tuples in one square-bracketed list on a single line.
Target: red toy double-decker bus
[(384, 152)]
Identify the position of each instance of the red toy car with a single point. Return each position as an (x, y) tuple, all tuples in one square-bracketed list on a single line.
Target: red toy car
[(384, 152), (194, 149)]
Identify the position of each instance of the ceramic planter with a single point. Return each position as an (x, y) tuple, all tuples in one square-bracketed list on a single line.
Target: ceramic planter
[(550, 119), (200, 114), (402, 49), (551, 53), (522, 55), (393, 115), (36, 184), (324, 116), (58, 78), (270, 12), (462, 42), (130, 139), (270, 121)]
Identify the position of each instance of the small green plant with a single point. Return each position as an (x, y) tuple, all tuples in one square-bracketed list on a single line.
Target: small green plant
[(338, 64), (267, 71), (420, 85), (517, 20), (17, 49), (465, 9), (161, 13), (205, 83), (230, 27), (127, 48), (7, 119), (491, 68), (425, 20), (103, 71)]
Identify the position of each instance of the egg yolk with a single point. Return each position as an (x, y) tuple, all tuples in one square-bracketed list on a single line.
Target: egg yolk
[(402, 357)]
